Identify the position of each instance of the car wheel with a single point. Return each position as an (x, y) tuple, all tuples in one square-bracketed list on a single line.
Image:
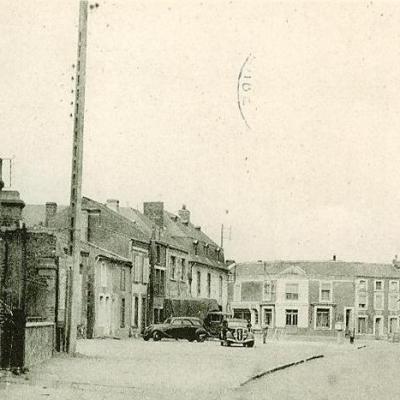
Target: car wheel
[(191, 340), (250, 344), (146, 338), (228, 344), (156, 336), (200, 337)]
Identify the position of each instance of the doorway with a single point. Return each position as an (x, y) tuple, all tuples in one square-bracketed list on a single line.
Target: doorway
[(348, 320), (378, 327)]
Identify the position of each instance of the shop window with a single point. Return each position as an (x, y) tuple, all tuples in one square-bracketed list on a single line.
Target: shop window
[(323, 318)]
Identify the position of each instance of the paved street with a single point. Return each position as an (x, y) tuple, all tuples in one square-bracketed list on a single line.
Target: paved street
[(124, 369)]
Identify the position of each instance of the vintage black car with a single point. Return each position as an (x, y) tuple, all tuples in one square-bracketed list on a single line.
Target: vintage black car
[(237, 331), (177, 328)]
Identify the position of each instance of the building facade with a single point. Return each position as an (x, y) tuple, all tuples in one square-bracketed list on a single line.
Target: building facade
[(317, 297)]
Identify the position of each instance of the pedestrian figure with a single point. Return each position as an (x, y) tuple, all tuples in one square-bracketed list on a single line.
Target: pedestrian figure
[(224, 329)]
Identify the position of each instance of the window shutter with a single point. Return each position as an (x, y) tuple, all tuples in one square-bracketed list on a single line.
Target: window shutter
[(146, 270)]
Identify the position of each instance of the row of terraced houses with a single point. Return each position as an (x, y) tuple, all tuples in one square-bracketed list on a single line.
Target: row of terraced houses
[(318, 297)]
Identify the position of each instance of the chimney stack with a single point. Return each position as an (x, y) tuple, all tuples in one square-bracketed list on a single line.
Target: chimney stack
[(334, 257), (51, 211), (184, 214), (154, 210), (113, 204)]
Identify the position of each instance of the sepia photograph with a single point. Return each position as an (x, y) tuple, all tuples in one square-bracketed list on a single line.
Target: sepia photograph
[(199, 199)]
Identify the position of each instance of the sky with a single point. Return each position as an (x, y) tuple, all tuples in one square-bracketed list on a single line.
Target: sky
[(307, 169)]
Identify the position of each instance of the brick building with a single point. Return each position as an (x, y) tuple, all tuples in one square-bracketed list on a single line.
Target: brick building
[(30, 307), (190, 273), (317, 297)]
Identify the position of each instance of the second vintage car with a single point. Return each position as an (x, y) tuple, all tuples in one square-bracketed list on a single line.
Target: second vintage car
[(177, 328), (236, 331)]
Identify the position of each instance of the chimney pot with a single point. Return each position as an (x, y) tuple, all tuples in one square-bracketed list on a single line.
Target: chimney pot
[(184, 214), (51, 211), (334, 257)]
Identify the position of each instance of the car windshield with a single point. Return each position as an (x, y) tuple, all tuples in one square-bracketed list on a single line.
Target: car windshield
[(196, 322), (237, 323)]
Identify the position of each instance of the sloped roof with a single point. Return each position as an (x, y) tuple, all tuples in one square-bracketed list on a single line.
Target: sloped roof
[(147, 225), (177, 228), (35, 214), (319, 268)]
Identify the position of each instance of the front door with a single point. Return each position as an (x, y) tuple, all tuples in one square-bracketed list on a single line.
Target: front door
[(349, 323), (378, 327), (268, 317)]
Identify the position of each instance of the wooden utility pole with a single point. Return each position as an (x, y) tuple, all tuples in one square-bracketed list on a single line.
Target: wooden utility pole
[(76, 181), (150, 286)]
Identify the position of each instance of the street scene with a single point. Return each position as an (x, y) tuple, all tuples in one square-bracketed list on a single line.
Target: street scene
[(199, 200)]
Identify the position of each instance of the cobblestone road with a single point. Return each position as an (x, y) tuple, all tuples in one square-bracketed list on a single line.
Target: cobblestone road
[(122, 369)]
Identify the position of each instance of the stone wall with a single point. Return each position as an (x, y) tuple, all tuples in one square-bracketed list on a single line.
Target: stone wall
[(39, 342)]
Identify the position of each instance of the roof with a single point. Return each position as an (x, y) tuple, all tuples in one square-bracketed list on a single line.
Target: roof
[(179, 229), (35, 214), (147, 225), (318, 268)]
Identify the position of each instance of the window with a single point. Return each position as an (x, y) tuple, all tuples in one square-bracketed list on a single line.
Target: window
[(123, 279), (183, 269), (268, 291), (291, 317), (378, 285), (142, 272), (221, 280), (393, 286), (323, 320), (393, 296), (208, 285), (103, 274), (122, 313), (146, 270), (173, 267), (378, 301), (292, 291), (136, 311), (198, 283), (393, 302), (158, 254), (268, 317), (325, 291), (362, 300), (176, 322), (362, 325), (362, 285), (393, 324), (159, 282), (196, 250), (362, 294)]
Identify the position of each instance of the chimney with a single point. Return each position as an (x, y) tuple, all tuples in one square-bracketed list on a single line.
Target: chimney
[(198, 228), (10, 206), (334, 257), (51, 211), (396, 262), (184, 214), (154, 210), (113, 204)]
